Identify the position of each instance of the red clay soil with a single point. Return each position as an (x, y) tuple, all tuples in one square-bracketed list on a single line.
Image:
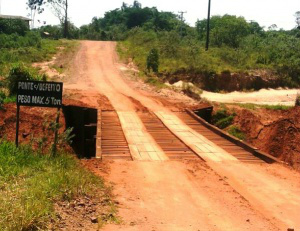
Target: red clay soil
[(34, 120), (81, 213), (177, 196), (85, 98), (276, 132)]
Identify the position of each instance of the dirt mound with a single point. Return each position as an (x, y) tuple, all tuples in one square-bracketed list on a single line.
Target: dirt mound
[(86, 98), (32, 123), (276, 132)]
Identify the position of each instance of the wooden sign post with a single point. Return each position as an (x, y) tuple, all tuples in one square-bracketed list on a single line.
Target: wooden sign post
[(38, 94), (17, 125)]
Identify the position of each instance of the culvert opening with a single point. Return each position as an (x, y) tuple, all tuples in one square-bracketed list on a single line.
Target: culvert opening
[(83, 120), (205, 113)]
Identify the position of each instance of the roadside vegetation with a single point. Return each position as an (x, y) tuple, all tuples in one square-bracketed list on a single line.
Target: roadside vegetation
[(25, 49), (251, 106), (224, 116), (33, 178), (224, 119), (31, 183), (19, 49), (242, 57), (235, 131)]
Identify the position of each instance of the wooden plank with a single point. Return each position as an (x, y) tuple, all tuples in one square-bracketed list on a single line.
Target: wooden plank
[(174, 148), (236, 151)]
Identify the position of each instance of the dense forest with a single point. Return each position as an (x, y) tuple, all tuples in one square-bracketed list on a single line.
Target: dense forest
[(242, 55)]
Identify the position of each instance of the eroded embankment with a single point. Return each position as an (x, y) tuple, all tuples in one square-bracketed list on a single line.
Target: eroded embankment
[(227, 81), (36, 122), (276, 132)]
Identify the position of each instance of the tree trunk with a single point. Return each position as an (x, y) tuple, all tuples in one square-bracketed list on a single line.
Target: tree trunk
[(66, 34), (33, 18)]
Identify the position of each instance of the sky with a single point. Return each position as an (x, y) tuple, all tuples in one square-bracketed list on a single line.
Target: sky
[(265, 12)]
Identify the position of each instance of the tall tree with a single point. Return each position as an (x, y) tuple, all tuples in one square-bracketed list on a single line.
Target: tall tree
[(297, 15), (60, 8), (226, 30), (34, 6), (137, 5)]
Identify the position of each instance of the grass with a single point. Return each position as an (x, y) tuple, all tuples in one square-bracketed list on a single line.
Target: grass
[(225, 122), (10, 99), (276, 107), (154, 81), (29, 55), (222, 118), (63, 59), (121, 50), (251, 106), (31, 183), (149, 78), (110, 217), (23, 57), (236, 132)]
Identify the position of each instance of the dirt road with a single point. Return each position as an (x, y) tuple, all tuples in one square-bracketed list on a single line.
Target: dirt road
[(264, 97), (156, 194)]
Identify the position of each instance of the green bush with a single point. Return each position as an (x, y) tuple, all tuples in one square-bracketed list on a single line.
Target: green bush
[(10, 99), (14, 41), (10, 26), (17, 73), (225, 122), (49, 31), (222, 119), (235, 131), (20, 73), (57, 31), (153, 60), (276, 107), (220, 114)]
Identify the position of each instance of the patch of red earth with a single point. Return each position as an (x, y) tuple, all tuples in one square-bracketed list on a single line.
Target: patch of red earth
[(32, 123), (150, 199), (276, 132), (85, 98), (84, 213)]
